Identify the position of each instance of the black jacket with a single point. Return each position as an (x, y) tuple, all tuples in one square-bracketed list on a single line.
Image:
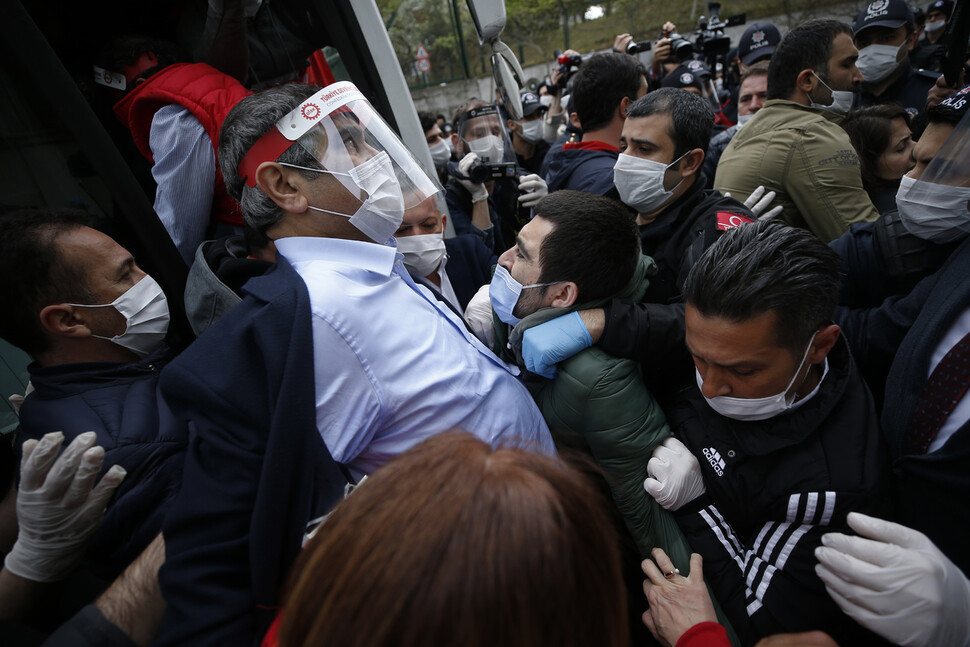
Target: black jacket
[(932, 491), (774, 487), (459, 202), (653, 331), (118, 401), (582, 169), (679, 235)]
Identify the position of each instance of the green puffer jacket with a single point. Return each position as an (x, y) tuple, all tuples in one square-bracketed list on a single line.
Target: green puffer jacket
[(600, 405)]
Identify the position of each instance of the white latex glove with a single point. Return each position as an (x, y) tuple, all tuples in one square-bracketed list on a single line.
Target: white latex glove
[(674, 475), (478, 191), (534, 189), (896, 583), (478, 316), (57, 509), (758, 201)]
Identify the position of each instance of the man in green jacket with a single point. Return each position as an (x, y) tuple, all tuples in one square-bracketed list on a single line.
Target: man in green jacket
[(794, 145), (579, 251)]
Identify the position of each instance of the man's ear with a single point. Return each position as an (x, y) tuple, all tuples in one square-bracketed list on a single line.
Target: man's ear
[(624, 106), (444, 224), (911, 41), (283, 186), (824, 341), (692, 162), (65, 321), (805, 81), (563, 294)]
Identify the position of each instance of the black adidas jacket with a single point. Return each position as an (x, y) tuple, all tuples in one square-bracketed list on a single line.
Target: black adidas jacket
[(774, 487)]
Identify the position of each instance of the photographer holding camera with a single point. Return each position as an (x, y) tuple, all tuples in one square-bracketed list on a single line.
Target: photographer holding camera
[(486, 156)]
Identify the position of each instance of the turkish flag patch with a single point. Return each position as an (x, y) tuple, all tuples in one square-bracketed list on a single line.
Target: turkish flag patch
[(729, 220)]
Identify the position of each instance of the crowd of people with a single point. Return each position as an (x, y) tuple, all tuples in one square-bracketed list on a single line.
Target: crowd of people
[(692, 371)]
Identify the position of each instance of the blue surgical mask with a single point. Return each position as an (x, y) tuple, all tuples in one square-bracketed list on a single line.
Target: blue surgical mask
[(504, 293)]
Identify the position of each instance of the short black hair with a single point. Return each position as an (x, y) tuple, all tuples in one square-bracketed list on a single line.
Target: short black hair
[(600, 85), (427, 121), (595, 243), (768, 266), (692, 116), (807, 46), (35, 274)]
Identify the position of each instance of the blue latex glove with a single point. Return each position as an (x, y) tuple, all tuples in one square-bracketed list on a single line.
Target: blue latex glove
[(549, 343)]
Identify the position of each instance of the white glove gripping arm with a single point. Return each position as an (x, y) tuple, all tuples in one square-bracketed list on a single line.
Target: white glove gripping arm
[(674, 475), (896, 582)]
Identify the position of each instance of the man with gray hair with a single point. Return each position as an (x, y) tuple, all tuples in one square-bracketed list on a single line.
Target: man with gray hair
[(334, 363), (780, 437)]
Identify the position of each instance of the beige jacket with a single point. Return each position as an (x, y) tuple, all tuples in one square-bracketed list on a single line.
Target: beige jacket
[(805, 156)]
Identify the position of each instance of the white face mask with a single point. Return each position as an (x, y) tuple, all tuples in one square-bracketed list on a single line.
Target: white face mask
[(546, 100), (876, 62), (935, 26), (422, 253), (531, 131), (383, 210), (743, 119), (489, 148), (640, 182), (145, 310), (440, 153), (755, 408), (504, 293), (841, 99), (939, 213)]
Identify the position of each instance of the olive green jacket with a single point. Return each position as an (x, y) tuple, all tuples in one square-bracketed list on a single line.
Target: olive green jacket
[(804, 155)]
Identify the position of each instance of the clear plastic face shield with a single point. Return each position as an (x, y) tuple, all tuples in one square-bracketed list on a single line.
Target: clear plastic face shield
[(482, 131), (936, 207), (352, 144)]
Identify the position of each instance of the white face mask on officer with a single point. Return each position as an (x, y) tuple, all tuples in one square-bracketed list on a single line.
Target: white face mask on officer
[(640, 182), (422, 253), (440, 153), (531, 130), (745, 409), (938, 213), (876, 62), (935, 26), (841, 99), (145, 310)]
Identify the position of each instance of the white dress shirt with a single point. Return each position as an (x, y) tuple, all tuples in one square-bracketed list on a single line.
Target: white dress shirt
[(185, 172), (393, 366)]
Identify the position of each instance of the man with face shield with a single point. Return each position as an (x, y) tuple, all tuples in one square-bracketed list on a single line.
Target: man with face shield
[(334, 362), (885, 34), (486, 189)]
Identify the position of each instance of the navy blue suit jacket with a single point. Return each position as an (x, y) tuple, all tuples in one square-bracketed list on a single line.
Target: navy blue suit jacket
[(932, 490), (469, 266), (256, 471)]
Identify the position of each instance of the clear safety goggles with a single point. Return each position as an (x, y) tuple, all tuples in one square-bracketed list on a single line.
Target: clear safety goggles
[(341, 130)]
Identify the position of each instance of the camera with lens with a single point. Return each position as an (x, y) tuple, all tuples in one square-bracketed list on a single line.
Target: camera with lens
[(681, 49), (568, 65), (480, 172), (636, 48), (711, 40)]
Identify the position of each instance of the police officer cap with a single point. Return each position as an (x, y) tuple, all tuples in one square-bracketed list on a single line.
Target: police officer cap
[(698, 69), (758, 41), (681, 78), (944, 6), (530, 103), (959, 101), (883, 13)]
